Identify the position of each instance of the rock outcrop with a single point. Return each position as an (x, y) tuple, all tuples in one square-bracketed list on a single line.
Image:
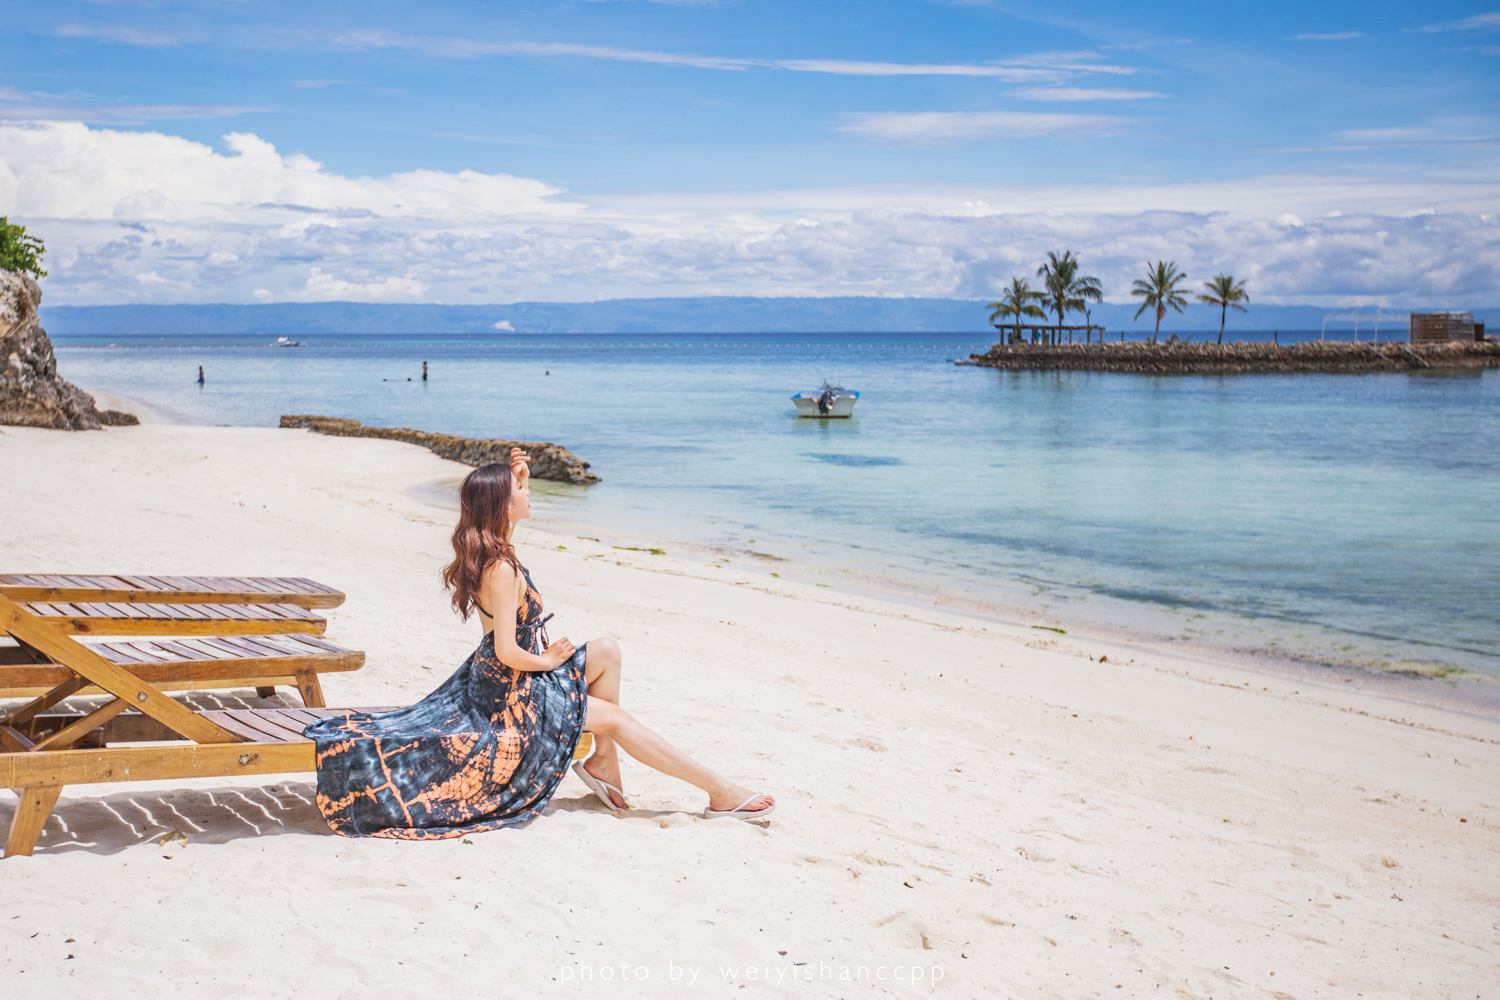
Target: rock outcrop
[(31, 392), (1238, 358), (548, 461)]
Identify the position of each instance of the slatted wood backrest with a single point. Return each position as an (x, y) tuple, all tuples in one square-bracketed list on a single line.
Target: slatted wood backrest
[(141, 618), (170, 589)]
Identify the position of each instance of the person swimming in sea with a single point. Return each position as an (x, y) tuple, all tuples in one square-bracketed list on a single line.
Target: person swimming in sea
[(200, 374)]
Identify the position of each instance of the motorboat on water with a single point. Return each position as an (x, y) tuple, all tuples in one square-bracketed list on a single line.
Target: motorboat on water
[(286, 342), (826, 401)]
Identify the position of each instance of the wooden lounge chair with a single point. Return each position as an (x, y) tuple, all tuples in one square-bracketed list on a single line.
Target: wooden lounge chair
[(126, 618), (53, 587), (189, 662), (41, 753)]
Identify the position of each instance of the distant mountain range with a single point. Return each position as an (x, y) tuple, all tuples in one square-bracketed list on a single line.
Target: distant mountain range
[(674, 315)]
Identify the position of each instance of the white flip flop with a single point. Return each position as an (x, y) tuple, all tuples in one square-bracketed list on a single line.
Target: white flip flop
[(601, 788), (740, 812)]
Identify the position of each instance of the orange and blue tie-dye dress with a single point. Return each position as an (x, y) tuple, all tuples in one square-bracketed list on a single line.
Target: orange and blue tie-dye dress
[(486, 750)]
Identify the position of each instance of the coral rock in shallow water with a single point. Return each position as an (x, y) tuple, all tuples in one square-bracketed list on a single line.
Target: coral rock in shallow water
[(31, 392), (548, 461)]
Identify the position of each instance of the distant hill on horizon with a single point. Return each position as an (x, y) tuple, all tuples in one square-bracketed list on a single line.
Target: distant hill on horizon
[(852, 314)]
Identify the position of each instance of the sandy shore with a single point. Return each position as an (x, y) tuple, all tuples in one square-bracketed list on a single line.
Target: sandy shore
[(998, 807)]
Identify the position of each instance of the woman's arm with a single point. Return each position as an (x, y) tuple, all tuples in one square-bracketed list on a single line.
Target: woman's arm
[(522, 473), (501, 591)]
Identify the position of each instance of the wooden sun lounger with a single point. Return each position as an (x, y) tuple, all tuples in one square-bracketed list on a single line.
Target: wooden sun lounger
[(187, 662), (125, 618), (69, 588), (42, 753)]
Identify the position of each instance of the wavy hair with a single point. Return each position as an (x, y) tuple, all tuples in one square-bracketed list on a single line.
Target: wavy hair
[(481, 538)]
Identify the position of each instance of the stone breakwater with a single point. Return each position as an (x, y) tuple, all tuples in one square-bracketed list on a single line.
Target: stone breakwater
[(548, 461), (1240, 358)]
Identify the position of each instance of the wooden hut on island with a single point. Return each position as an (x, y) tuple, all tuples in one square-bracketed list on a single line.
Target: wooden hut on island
[(1440, 327)]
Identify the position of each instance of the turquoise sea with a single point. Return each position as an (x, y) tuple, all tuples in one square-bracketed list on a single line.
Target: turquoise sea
[(1351, 522)]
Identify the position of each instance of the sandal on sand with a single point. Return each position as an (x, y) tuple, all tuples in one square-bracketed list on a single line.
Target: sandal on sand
[(601, 788), (739, 811)]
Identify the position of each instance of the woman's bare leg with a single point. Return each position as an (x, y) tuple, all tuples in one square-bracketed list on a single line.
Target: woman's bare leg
[(609, 720), (601, 667)]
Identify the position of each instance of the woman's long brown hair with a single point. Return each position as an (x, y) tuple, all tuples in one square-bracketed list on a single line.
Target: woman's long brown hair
[(480, 540)]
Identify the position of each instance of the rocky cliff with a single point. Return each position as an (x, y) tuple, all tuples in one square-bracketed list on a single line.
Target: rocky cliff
[(548, 461), (31, 392)]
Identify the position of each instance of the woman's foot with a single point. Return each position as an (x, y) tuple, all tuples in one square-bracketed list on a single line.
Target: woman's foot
[(739, 801), (608, 769)]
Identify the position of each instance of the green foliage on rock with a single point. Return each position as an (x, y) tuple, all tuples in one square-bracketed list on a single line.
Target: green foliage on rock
[(19, 251)]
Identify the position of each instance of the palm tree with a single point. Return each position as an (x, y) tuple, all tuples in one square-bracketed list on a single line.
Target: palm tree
[(1017, 302), (1224, 292), (1159, 291), (1065, 288)]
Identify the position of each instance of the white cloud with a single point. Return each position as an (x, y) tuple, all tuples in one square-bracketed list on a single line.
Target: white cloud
[(844, 67), (19, 106), (128, 35), (317, 84), (931, 128), (323, 287), (70, 171), (505, 325), (466, 48), (1045, 67), (1084, 94), (1337, 36), (147, 217), (1479, 22)]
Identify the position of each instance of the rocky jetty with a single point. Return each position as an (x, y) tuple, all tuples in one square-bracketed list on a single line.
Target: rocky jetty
[(1239, 358), (31, 392), (548, 461)]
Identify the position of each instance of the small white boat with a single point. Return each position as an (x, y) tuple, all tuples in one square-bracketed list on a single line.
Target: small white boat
[(284, 342), (827, 401)]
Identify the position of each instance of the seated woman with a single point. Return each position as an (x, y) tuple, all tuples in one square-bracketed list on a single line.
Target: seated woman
[(489, 747)]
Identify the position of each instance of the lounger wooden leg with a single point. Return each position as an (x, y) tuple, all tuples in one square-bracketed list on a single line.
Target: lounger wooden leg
[(31, 815), (265, 692), (310, 688)]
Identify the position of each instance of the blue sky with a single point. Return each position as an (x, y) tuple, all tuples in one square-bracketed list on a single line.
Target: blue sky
[(1335, 152)]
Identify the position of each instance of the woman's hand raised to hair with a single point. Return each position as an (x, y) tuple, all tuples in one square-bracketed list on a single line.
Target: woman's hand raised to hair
[(518, 466), (558, 653)]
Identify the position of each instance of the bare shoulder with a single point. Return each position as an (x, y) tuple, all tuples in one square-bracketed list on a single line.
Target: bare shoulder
[(500, 574)]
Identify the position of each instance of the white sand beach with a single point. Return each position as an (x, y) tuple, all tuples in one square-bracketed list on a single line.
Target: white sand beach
[(966, 809)]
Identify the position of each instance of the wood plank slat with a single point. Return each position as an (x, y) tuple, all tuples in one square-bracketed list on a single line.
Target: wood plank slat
[(149, 650), (110, 652), (302, 717), (273, 729), (234, 725), (161, 763), (250, 644), (277, 717), (184, 651)]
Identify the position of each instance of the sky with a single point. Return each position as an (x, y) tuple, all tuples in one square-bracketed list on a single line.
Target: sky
[(1338, 153)]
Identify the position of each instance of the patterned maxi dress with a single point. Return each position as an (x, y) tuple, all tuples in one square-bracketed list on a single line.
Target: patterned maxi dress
[(486, 750)]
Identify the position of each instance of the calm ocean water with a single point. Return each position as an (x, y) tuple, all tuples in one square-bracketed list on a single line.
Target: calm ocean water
[(1350, 519)]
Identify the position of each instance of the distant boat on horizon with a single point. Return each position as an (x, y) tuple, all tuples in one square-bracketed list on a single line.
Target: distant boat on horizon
[(285, 342)]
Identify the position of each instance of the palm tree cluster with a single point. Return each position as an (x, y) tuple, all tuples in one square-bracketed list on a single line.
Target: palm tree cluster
[(1064, 290)]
